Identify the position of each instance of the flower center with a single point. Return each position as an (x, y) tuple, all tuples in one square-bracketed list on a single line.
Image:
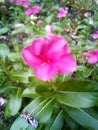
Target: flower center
[(45, 61)]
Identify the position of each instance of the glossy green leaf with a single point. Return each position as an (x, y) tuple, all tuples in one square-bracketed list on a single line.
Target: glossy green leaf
[(14, 103), (40, 108), (35, 81), (77, 99), (4, 50), (30, 92), (84, 118), (21, 76), (45, 112), (71, 123), (56, 121), (78, 86), (35, 105), (44, 90), (19, 124)]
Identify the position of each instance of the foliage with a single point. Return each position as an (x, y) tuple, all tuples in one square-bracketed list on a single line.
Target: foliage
[(67, 102)]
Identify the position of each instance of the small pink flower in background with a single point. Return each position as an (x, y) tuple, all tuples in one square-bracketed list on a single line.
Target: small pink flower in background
[(24, 3), (39, 22), (33, 10), (93, 56), (19, 2), (2, 101), (87, 14), (62, 12), (95, 35), (49, 56), (49, 28)]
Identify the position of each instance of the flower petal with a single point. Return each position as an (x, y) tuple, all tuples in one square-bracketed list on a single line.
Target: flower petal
[(93, 60), (46, 72), (39, 46), (88, 53), (57, 45), (31, 59), (66, 64)]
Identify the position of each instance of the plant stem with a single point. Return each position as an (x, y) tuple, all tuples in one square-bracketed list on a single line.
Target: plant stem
[(53, 86)]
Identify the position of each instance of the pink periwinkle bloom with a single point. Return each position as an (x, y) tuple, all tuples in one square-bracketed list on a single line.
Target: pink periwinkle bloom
[(62, 12), (95, 35), (39, 22), (49, 56), (49, 28), (33, 10), (93, 56), (87, 14), (24, 3)]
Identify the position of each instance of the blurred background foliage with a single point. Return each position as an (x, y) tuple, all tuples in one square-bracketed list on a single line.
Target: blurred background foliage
[(15, 81)]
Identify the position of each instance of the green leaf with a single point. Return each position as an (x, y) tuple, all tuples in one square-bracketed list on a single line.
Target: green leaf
[(77, 99), (4, 30), (45, 112), (87, 72), (14, 56), (71, 123), (14, 103), (30, 92), (84, 118), (78, 93), (4, 50), (58, 122), (44, 90), (78, 86), (35, 81), (41, 109), (49, 18), (20, 124), (21, 76), (34, 105)]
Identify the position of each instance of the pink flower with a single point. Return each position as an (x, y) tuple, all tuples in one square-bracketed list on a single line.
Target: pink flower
[(24, 3), (49, 28), (95, 35), (93, 56), (19, 2), (87, 14), (33, 10), (62, 12), (39, 22), (49, 56)]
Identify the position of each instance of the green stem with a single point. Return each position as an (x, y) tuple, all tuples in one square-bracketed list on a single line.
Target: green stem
[(53, 86)]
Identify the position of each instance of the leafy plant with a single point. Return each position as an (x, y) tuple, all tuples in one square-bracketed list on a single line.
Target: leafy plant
[(67, 101)]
